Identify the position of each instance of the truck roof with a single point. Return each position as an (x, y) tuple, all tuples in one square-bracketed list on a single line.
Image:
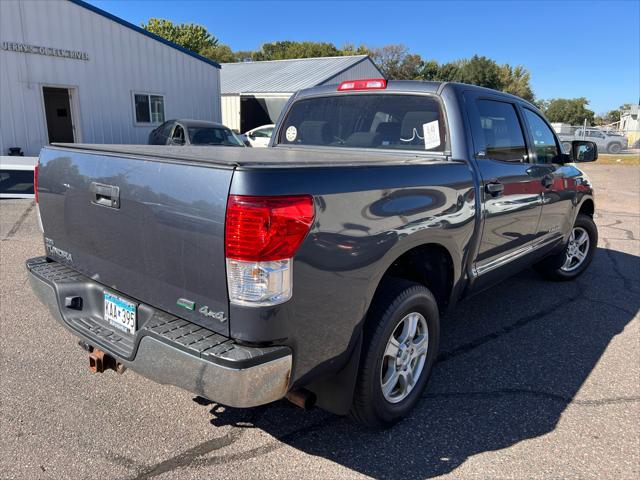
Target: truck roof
[(409, 86)]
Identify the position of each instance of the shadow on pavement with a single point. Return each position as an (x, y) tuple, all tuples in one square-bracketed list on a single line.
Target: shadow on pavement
[(511, 361)]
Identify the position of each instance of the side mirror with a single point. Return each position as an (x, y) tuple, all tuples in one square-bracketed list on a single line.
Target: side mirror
[(177, 141), (583, 151)]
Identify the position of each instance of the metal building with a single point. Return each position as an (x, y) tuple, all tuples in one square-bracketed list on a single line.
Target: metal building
[(253, 93), (70, 72)]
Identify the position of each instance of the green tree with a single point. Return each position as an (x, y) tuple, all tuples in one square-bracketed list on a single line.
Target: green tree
[(286, 49), (188, 35), (396, 63), (351, 49), (611, 116), (481, 71), (219, 53), (515, 80), (567, 110)]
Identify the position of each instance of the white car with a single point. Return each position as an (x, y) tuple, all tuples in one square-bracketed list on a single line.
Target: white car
[(260, 136)]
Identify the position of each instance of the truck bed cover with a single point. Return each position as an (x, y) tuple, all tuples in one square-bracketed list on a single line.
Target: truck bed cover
[(279, 157)]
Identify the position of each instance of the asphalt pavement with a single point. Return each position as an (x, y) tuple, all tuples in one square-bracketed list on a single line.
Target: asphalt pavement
[(534, 380)]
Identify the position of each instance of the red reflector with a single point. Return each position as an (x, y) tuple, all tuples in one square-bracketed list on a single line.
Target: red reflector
[(35, 181), (266, 228), (366, 84)]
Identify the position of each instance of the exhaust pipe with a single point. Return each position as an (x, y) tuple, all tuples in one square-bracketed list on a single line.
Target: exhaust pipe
[(100, 361), (302, 398)]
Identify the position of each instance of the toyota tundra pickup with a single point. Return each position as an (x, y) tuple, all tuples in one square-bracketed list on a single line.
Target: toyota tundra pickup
[(317, 269)]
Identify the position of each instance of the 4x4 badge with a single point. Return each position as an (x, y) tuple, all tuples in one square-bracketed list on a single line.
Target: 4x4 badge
[(220, 316)]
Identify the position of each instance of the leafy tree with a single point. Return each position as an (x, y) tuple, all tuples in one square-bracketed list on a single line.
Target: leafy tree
[(243, 55), (449, 72), (481, 71), (396, 63), (288, 49), (220, 53), (611, 116), (430, 70), (515, 80), (189, 35), (567, 110), (351, 49)]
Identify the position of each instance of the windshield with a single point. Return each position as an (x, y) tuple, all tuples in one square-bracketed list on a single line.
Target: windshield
[(401, 122), (213, 136)]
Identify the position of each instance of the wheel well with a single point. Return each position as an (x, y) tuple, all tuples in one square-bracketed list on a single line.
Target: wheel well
[(587, 208), (429, 265)]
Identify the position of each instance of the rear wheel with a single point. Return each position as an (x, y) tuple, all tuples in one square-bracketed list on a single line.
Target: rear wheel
[(614, 148), (399, 349), (576, 256)]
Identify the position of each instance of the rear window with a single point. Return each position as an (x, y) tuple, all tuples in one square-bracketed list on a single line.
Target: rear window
[(401, 122), (213, 136)]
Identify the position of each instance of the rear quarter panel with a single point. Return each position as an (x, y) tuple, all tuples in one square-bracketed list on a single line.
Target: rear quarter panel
[(365, 218)]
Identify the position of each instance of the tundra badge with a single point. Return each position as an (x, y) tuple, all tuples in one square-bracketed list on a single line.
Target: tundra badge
[(53, 250)]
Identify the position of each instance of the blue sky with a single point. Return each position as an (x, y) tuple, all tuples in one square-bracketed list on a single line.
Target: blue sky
[(572, 49)]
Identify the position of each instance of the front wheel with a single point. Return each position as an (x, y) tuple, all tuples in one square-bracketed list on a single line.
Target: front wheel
[(577, 254), (401, 339)]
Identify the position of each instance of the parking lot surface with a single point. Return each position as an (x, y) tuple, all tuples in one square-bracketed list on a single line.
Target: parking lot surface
[(535, 380)]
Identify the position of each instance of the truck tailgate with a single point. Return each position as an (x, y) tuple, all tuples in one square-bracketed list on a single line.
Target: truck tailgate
[(153, 230)]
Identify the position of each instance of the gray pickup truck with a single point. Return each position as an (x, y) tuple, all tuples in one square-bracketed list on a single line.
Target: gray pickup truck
[(317, 269), (609, 142)]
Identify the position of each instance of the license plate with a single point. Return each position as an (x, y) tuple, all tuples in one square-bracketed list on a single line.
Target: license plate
[(120, 313)]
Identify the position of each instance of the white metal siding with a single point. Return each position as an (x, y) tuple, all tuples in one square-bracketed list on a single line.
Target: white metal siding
[(231, 111), (121, 61)]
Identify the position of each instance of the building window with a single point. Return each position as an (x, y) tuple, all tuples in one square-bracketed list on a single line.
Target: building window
[(148, 108)]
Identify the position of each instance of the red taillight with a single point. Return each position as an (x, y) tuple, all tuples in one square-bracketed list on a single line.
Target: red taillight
[(35, 181), (367, 84), (266, 228)]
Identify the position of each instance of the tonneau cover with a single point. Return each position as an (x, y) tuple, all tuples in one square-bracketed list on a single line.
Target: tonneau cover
[(257, 157)]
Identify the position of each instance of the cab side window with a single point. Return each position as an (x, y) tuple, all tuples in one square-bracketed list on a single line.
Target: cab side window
[(502, 133), (178, 134), (544, 142)]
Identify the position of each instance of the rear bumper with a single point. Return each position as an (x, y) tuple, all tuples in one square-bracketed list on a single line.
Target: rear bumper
[(165, 349)]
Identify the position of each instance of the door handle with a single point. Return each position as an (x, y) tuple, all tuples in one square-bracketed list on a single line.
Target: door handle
[(495, 189), (547, 181), (105, 195)]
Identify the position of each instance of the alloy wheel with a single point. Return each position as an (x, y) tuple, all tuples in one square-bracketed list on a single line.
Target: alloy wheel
[(404, 357), (577, 249)]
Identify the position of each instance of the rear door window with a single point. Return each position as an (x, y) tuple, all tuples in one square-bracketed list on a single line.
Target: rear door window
[(384, 121), (501, 131)]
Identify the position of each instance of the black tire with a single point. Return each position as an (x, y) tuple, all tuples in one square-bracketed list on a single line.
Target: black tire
[(614, 148), (395, 299), (551, 267)]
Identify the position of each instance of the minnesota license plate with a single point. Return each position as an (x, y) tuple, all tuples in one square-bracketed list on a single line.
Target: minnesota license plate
[(120, 313)]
